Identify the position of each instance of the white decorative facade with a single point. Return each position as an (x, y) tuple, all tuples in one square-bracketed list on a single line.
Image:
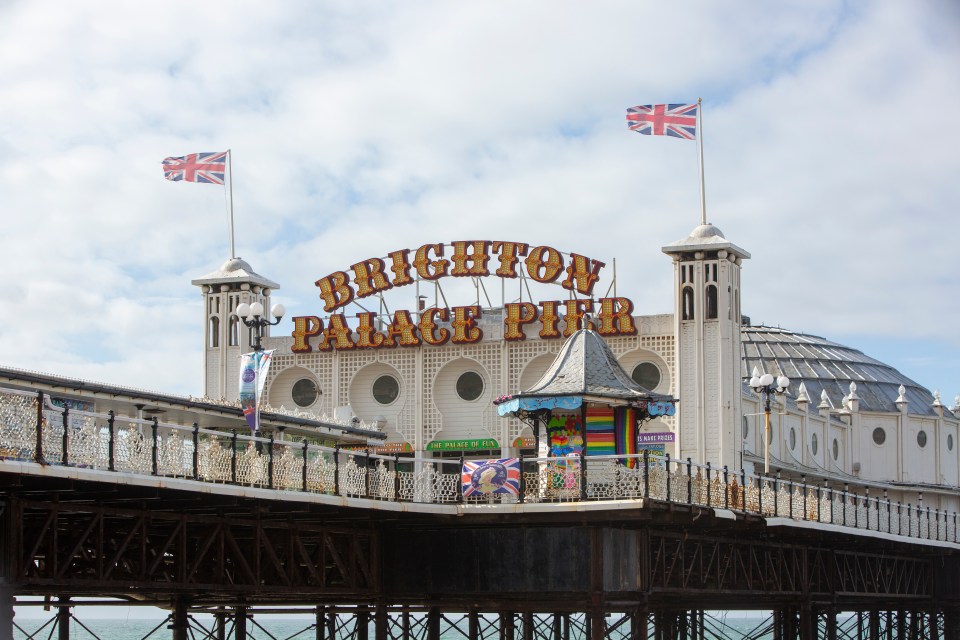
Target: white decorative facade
[(438, 400)]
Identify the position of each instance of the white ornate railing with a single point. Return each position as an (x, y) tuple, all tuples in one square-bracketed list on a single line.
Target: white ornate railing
[(49, 435)]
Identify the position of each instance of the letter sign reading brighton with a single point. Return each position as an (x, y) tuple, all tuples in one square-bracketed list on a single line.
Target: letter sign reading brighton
[(467, 258)]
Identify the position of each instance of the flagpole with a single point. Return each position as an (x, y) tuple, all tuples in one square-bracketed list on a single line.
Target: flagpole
[(233, 253), (703, 200)]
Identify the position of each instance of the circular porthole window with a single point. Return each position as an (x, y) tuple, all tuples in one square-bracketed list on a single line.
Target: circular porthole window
[(386, 389), (647, 375), (469, 385), (793, 438), (879, 436), (305, 392), (836, 448), (814, 444), (922, 439), (949, 442)]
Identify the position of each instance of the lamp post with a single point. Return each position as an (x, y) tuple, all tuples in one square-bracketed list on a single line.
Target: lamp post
[(764, 385), (252, 316)]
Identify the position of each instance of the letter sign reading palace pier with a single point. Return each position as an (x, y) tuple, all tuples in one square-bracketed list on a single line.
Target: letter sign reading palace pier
[(435, 326)]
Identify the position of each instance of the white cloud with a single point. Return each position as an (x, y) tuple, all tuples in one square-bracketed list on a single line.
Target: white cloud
[(363, 127)]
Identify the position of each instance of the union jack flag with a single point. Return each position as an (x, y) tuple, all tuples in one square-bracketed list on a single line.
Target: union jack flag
[(677, 120), (491, 476), (196, 167)]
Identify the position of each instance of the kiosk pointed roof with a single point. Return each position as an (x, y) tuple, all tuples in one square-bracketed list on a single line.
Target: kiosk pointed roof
[(586, 367)]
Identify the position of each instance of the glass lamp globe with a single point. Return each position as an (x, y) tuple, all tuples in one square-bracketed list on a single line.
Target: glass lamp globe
[(256, 309), (243, 310)]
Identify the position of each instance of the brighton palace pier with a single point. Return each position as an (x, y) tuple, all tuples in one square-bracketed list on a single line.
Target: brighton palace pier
[(551, 465)]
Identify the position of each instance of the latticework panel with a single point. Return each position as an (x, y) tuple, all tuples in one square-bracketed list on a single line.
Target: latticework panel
[(488, 355), (18, 425), (519, 355), (404, 360)]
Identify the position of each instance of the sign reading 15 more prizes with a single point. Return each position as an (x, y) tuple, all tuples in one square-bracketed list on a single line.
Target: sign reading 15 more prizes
[(654, 443), (458, 325)]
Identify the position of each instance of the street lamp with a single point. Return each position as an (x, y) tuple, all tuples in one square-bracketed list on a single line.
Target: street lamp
[(252, 316), (764, 385)]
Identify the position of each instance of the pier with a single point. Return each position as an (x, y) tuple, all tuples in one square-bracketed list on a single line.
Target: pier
[(196, 519)]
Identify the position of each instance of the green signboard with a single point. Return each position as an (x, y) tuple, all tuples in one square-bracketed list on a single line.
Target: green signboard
[(472, 444)]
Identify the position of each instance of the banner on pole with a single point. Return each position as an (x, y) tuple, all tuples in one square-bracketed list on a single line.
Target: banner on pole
[(253, 377)]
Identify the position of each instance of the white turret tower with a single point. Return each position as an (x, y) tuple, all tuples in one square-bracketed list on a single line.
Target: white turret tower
[(707, 326), (224, 336)]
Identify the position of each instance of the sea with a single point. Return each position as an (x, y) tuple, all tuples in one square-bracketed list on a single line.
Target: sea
[(718, 625)]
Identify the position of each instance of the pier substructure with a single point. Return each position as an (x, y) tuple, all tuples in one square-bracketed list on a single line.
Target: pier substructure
[(648, 571)]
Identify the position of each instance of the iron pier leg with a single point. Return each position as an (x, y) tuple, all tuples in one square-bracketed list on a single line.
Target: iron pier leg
[(332, 623), (6, 610), (951, 628), (901, 624), (320, 623), (381, 622), (506, 625), (643, 624), (220, 625), (831, 623), (597, 622), (934, 624), (433, 624), (240, 624), (180, 624), (473, 622), (527, 625), (566, 626), (63, 619), (362, 627), (406, 625), (808, 622)]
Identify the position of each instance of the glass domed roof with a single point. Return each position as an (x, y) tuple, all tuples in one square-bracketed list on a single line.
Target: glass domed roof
[(822, 365)]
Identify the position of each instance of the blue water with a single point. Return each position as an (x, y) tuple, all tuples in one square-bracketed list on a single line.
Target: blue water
[(266, 627)]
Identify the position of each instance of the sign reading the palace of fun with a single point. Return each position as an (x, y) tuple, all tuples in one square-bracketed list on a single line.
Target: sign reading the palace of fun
[(436, 326)]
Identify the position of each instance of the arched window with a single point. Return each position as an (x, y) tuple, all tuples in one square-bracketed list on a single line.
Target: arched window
[(214, 332), (234, 332), (711, 305), (687, 303)]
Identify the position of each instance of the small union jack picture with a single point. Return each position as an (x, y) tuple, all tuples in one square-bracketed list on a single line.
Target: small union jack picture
[(196, 167), (677, 120)]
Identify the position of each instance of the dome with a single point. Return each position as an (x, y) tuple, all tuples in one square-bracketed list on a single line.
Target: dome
[(822, 365), (706, 231), (233, 272), (235, 264)]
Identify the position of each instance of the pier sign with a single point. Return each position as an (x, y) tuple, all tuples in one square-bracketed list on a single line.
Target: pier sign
[(611, 316)]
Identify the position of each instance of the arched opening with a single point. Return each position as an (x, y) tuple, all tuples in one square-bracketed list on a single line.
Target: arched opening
[(214, 330), (687, 311), (711, 302)]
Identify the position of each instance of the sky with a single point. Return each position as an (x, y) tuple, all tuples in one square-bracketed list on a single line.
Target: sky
[(359, 128)]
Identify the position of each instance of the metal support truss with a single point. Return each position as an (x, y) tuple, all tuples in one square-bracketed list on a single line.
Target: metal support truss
[(90, 549)]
